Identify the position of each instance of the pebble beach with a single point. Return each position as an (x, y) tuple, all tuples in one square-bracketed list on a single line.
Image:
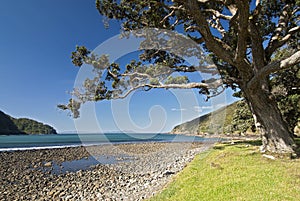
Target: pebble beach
[(107, 172)]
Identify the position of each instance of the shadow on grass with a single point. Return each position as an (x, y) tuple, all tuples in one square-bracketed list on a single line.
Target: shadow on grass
[(259, 143), (251, 142), (219, 147), (239, 142), (297, 141), (256, 143)]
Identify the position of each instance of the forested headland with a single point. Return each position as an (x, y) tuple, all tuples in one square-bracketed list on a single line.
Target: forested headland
[(14, 126)]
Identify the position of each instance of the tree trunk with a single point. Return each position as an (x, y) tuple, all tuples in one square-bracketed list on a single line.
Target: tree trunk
[(276, 136)]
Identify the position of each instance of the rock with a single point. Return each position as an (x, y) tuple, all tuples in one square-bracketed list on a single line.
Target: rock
[(153, 166), (297, 129), (167, 173), (48, 164), (268, 156), (51, 193)]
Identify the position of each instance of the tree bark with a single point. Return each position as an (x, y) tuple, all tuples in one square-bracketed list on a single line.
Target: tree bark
[(275, 134)]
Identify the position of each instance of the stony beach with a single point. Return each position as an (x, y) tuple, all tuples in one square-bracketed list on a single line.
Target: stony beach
[(107, 172)]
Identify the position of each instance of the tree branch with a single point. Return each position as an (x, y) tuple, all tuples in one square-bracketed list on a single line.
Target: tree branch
[(276, 41), (192, 28), (193, 85), (197, 40), (218, 14), (221, 49), (203, 69), (243, 16), (276, 66), (215, 23), (216, 93), (136, 74), (275, 44), (258, 53), (283, 64), (231, 7), (171, 13)]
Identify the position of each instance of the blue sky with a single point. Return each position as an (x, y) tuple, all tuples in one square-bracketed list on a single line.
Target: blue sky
[(36, 41)]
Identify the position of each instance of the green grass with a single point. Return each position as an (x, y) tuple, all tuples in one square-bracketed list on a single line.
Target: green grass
[(235, 172)]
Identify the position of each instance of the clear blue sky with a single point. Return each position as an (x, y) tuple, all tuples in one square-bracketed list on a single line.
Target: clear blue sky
[(36, 40)]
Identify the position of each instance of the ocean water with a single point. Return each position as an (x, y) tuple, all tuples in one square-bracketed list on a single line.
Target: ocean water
[(26, 142)]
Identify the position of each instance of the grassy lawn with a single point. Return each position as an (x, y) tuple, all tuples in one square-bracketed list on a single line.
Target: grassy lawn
[(235, 172)]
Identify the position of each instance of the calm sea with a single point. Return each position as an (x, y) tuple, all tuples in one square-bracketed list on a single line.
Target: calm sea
[(25, 142)]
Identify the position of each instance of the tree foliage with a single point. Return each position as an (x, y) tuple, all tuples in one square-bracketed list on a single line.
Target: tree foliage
[(29, 126), (241, 37), (286, 88), (7, 126), (242, 118), (233, 31)]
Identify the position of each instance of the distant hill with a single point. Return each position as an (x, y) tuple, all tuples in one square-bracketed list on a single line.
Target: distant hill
[(218, 121), (13, 126)]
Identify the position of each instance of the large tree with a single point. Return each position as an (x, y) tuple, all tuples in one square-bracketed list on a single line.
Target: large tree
[(285, 86), (241, 36)]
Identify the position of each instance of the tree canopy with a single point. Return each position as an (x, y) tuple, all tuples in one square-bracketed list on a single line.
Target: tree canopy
[(242, 38)]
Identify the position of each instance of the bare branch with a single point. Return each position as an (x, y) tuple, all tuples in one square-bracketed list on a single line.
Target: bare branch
[(192, 28), (212, 69), (274, 45), (136, 74), (282, 23), (175, 23), (257, 2), (196, 39), (167, 16), (217, 92), (277, 39), (243, 16), (192, 85), (257, 10), (221, 49), (276, 66), (231, 80), (215, 23), (171, 13), (297, 9), (283, 64), (258, 53), (206, 1), (203, 1), (218, 14), (114, 76), (232, 8)]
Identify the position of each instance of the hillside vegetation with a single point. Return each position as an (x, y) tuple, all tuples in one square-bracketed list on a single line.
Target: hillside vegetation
[(7, 126), (13, 126), (219, 121), (237, 119)]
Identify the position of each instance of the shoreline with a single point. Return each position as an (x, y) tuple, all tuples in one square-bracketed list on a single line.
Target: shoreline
[(80, 140), (221, 136), (92, 145), (132, 171)]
